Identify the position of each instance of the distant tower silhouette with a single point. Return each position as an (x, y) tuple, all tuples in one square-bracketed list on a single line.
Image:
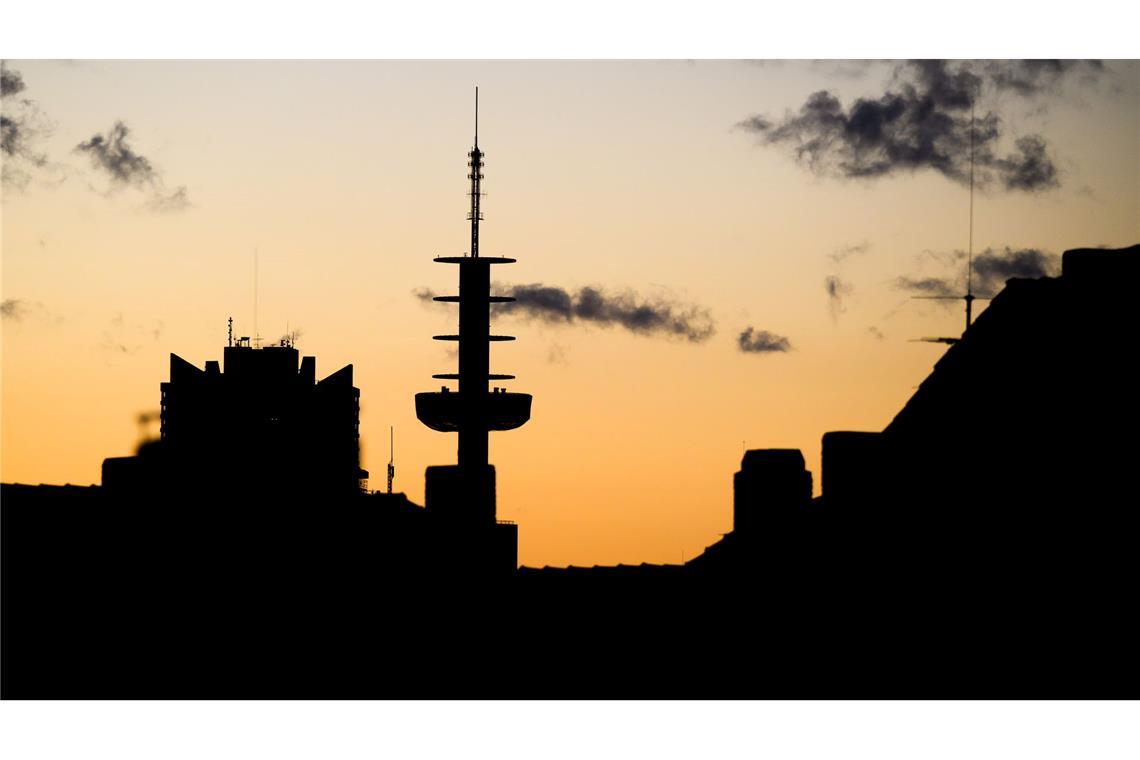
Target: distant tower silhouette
[(474, 411)]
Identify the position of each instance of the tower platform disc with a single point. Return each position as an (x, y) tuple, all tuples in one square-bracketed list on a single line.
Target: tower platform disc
[(448, 411)]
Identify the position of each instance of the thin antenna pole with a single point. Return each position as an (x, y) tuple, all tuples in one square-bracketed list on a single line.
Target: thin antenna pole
[(230, 338), (256, 335), (970, 249), (391, 456), (476, 175)]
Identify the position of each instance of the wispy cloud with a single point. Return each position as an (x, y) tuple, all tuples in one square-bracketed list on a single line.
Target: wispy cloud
[(123, 338), (837, 286), (112, 155), (14, 309), (924, 123), (753, 341), (643, 315), (992, 267), (929, 286), (837, 290), (841, 254), (21, 125)]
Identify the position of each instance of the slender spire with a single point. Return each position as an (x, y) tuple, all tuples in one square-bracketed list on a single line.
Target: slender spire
[(476, 175)]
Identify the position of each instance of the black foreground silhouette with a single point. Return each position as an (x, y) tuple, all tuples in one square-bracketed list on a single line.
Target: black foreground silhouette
[(982, 545)]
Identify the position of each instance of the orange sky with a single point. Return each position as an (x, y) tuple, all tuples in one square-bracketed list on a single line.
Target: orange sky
[(349, 176)]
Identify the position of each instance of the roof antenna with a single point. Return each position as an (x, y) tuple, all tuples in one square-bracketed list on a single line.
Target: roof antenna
[(969, 297), (230, 339), (391, 456), (256, 334), (970, 255)]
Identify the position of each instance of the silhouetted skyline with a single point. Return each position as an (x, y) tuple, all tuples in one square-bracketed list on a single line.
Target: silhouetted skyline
[(624, 187), (942, 522)]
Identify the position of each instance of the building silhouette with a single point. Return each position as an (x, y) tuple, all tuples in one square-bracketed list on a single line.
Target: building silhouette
[(259, 423)]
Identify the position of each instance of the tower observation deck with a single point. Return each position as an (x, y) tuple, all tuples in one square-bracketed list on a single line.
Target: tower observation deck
[(476, 409)]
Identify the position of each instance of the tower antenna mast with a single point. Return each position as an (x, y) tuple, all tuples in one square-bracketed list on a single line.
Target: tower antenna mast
[(391, 456), (476, 176)]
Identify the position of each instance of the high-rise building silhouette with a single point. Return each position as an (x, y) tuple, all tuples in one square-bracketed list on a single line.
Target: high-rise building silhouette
[(260, 423)]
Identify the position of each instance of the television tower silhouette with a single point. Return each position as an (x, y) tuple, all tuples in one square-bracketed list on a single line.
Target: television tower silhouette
[(969, 296), (475, 410)]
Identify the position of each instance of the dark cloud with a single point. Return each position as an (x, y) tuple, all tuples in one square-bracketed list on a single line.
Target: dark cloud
[(111, 154), (753, 341), (992, 267), (543, 302), (18, 310), (11, 82), (595, 305), (923, 122), (837, 291), (645, 316), (14, 309), (1030, 169), (21, 125), (424, 294), (929, 286), (1036, 76)]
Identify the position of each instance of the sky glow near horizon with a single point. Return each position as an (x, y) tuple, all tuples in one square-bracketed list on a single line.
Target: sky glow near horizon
[(626, 177)]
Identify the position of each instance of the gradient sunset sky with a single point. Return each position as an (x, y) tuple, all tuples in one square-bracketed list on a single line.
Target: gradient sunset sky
[(788, 207)]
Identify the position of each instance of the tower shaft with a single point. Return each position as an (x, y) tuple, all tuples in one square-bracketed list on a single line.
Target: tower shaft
[(474, 360)]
